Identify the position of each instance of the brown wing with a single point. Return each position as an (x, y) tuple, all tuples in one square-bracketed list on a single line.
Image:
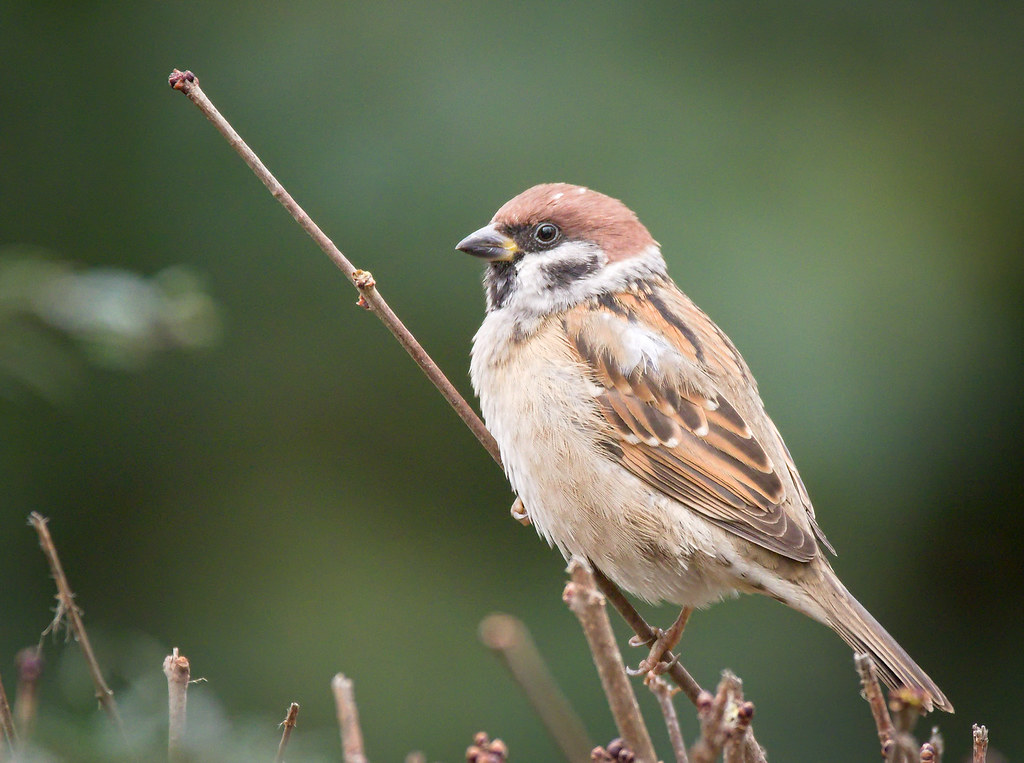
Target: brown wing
[(671, 422)]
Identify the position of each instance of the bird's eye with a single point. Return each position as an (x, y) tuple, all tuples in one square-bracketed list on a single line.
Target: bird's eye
[(545, 233)]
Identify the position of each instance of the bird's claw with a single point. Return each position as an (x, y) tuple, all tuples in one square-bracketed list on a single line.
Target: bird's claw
[(519, 514)]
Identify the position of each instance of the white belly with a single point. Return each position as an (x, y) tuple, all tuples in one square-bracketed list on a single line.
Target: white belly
[(540, 408)]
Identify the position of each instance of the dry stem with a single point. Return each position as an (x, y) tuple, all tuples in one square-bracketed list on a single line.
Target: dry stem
[(646, 634), (66, 608), (588, 605), (370, 298), (938, 745), (177, 670), (663, 692), (751, 749), (509, 638), (348, 719), (286, 733), (29, 662), (980, 752), (873, 694), (7, 721)]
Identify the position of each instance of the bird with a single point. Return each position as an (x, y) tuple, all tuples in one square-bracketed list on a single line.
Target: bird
[(632, 430)]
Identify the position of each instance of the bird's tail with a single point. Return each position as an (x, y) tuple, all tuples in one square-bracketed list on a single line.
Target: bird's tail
[(855, 625)]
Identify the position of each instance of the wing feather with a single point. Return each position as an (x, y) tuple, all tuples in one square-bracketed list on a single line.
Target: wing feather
[(659, 366)]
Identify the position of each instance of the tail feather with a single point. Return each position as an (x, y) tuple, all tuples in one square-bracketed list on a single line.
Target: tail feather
[(856, 626)]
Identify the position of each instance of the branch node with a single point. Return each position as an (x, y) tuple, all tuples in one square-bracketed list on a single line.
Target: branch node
[(486, 750), (180, 80), (288, 725)]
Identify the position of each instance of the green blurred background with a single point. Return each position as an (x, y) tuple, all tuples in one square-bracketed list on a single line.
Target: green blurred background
[(838, 185)]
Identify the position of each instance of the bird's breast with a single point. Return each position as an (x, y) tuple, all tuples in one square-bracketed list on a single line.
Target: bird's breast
[(540, 404)]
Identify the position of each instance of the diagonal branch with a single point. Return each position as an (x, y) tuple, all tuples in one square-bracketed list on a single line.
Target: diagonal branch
[(7, 730), (509, 638), (588, 605), (66, 607), (369, 298)]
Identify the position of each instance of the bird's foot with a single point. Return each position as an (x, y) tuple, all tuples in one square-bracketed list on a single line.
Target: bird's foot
[(519, 514), (664, 642)]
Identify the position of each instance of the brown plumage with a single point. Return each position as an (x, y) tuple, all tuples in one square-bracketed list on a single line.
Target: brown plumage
[(632, 429)]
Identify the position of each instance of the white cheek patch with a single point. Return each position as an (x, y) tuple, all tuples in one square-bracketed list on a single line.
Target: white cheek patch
[(558, 273), (539, 291)]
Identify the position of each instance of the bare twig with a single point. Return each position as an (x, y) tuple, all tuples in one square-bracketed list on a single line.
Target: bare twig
[(588, 605), (509, 638), (736, 748), (872, 692), (663, 692), (722, 717), (646, 634), (370, 298), (29, 663), (348, 719), (7, 721), (938, 745), (66, 608), (286, 733), (752, 751), (980, 743), (177, 670), (906, 706)]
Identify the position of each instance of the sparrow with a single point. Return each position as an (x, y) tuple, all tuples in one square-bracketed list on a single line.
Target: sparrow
[(632, 430)]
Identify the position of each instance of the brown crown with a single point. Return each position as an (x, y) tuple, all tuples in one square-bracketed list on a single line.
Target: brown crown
[(582, 215)]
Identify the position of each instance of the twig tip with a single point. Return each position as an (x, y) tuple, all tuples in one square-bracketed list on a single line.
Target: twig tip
[(179, 80)]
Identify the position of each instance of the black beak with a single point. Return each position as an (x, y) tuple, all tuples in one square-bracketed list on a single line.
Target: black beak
[(487, 243)]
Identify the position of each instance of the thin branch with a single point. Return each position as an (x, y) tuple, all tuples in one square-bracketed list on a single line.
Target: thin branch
[(736, 748), (588, 605), (510, 640), (663, 693), (7, 721), (286, 733), (66, 608), (872, 692), (370, 298), (980, 743), (906, 706), (177, 670), (938, 745), (646, 634), (29, 662), (720, 720), (752, 751), (348, 719)]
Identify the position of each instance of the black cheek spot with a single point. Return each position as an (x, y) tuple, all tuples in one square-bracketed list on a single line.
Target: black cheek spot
[(560, 274)]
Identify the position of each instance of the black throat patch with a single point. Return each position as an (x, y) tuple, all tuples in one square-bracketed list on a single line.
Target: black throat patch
[(500, 282)]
